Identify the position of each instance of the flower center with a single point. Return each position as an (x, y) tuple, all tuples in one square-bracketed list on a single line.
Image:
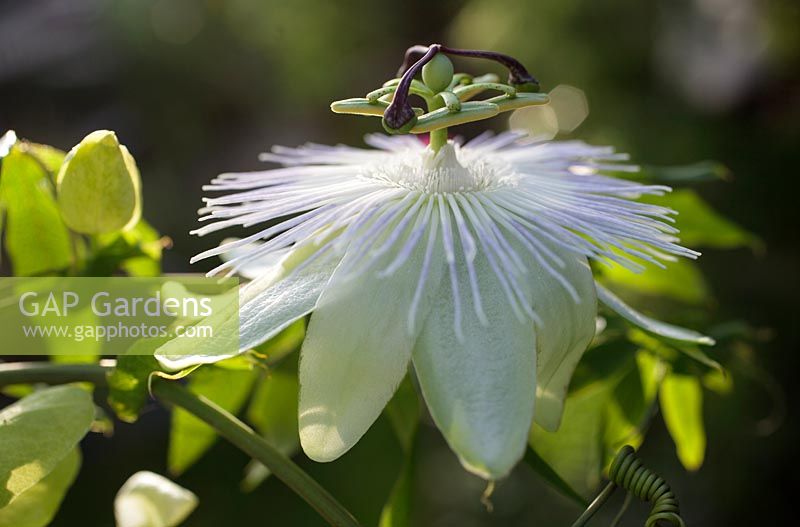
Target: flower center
[(449, 170)]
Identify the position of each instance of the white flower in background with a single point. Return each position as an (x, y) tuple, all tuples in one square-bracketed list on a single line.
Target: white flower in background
[(6, 142), (470, 264), (148, 499)]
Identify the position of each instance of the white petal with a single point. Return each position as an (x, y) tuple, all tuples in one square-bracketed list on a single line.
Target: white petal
[(150, 500), (566, 331), (357, 349), (256, 268), (184, 352), (267, 305), (480, 391), (271, 303), (650, 324)]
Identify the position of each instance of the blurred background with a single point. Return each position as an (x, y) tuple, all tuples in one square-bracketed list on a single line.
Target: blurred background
[(198, 87)]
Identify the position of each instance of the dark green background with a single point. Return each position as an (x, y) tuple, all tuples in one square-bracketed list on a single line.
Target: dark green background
[(195, 88)]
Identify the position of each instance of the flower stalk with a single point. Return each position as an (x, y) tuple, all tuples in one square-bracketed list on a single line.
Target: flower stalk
[(438, 137)]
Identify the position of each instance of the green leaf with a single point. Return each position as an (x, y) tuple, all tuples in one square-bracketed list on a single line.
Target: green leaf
[(681, 398), (652, 371), (650, 325), (700, 356), (625, 413), (50, 158), (669, 349), (77, 358), (67, 350), (575, 450), (17, 391), (701, 225), (719, 382), (98, 185), (284, 343), (540, 466), (273, 413), (37, 432), (128, 381), (681, 281), (37, 506), (137, 251), (239, 362), (36, 239), (611, 400), (190, 437), (150, 245)]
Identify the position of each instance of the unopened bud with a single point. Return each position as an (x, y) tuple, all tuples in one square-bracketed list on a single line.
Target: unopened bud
[(98, 185)]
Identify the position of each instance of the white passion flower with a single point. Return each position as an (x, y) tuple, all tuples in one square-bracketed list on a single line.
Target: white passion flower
[(469, 263)]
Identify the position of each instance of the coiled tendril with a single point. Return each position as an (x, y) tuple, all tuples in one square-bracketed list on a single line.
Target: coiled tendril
[(628, 472)]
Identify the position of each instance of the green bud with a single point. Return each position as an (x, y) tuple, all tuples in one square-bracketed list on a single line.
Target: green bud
[(438, 73), (98, 186)]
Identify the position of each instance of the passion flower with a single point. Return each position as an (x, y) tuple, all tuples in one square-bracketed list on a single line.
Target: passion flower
[(468, 260)]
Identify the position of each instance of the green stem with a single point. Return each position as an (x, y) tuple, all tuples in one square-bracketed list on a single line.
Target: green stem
[(438, 138), (598, 502), (227, 425), (50, 373)]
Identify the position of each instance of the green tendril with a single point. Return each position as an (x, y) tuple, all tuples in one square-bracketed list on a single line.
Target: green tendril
[(447, 95), (628, 472)]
